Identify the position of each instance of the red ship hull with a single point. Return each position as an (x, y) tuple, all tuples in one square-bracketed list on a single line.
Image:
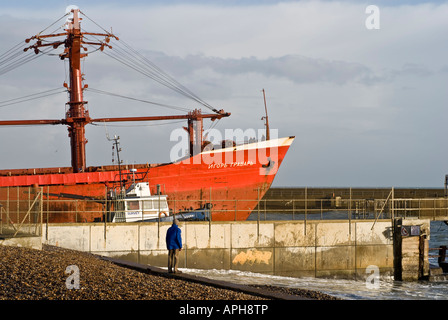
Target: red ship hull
[(232, 179)]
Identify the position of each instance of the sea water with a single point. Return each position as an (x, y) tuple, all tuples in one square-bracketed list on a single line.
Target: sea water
[(388, 289)]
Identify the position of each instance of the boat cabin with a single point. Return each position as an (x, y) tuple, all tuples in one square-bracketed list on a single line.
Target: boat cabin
[(139, 205)]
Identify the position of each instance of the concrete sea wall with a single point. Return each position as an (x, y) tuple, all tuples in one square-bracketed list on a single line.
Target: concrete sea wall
[(26, 242), (324, 248)]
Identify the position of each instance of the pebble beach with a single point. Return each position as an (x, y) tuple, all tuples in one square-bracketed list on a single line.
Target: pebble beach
[(29, 274)]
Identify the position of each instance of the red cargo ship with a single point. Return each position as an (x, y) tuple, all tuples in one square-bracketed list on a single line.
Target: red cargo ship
[(232, 178)]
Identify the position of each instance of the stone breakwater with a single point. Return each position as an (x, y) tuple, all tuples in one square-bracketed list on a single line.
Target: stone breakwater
[(28, 274)]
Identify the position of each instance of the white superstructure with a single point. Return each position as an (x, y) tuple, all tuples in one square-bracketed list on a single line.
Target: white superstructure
[(140, 205)]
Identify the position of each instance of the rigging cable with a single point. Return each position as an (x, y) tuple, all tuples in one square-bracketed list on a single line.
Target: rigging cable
[(139, 125), (17, 46), (125, 54), (167, 77), (147, 68), (53, 24), (133, 59), (30, 97), (136, 99), (13, 58)]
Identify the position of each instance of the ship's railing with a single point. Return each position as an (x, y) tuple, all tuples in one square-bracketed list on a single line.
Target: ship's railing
[(22, 217)]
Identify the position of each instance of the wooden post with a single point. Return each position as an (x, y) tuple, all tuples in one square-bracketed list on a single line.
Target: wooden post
[(410, 253), (397, 224)]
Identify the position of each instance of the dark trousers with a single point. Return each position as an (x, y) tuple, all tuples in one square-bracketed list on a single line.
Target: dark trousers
[(173, 259)]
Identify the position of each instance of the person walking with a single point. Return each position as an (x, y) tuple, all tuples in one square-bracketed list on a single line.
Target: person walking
[(174, 246)]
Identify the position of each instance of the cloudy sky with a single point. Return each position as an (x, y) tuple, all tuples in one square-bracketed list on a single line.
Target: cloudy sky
[(368, 107)]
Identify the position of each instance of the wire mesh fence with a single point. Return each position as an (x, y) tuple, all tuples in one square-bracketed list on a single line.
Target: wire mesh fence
[(21, 216), (23, 210)]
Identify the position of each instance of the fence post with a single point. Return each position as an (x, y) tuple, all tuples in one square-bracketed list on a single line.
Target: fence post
[(106, 213), (405, 208), (18, 204), (41, 209), (293, 208), (350, 213), (29, 203), (419, 207), (210, 218), (48, 209), (306, 207), (236, 207), (7, 206), (393, 203), (258, 210), (434, 209), (321, 210), (264, 200)]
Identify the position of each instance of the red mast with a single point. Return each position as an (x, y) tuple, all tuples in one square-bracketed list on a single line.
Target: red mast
[(77, 116)]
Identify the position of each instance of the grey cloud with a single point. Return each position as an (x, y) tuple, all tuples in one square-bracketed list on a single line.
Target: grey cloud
[(296, 68), (444, 69), (412, 69)]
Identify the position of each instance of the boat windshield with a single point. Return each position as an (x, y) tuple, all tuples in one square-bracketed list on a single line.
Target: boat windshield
[(133, 205)]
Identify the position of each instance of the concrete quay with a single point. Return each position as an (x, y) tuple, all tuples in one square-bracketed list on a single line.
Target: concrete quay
[(324, 248)]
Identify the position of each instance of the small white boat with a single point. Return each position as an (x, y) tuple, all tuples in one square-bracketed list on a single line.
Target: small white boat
[(138, 205)]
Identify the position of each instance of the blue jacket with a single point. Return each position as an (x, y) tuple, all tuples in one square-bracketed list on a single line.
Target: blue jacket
[(173, 238)]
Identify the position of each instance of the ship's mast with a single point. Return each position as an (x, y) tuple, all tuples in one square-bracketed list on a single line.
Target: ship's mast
[(77, 116), (268, 134), (195, 128)]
